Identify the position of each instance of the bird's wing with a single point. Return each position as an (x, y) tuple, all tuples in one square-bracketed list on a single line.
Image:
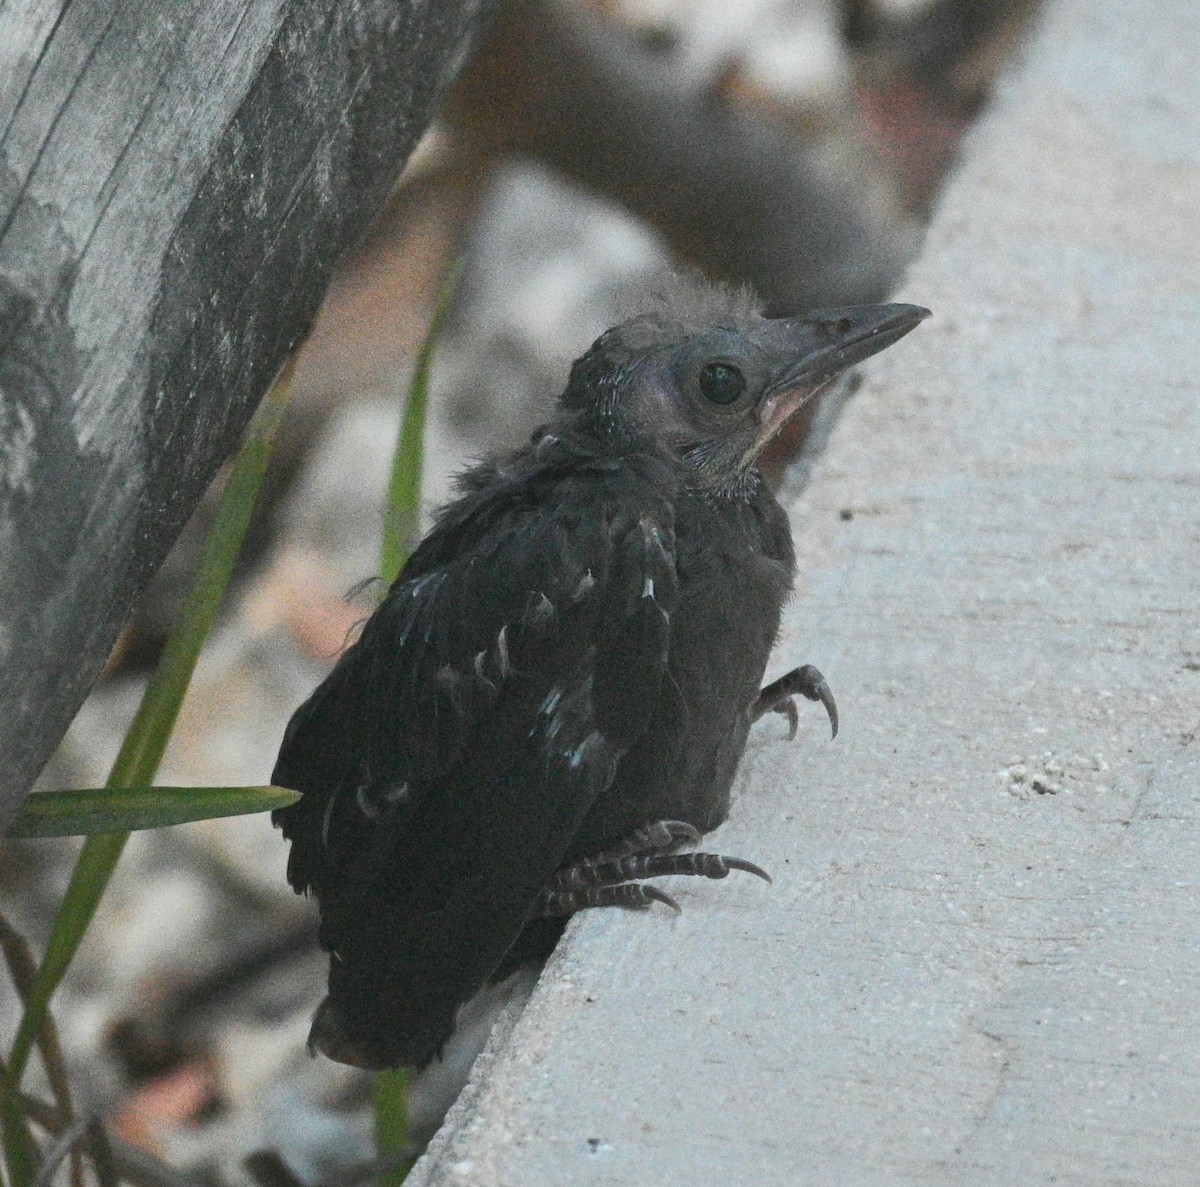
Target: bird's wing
[(449, 758)]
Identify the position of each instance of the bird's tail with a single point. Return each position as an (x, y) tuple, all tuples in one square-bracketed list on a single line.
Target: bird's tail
[(332, 1037)]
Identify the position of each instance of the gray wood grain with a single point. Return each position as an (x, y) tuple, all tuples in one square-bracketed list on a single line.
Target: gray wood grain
[(176, 183)]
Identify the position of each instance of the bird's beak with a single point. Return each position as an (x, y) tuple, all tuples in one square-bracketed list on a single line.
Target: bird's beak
[(822, 344)]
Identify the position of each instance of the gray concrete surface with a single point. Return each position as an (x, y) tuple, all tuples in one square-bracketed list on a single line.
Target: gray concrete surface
[(980, 960)]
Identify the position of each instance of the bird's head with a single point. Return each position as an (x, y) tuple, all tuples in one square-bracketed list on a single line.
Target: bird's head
[(711, 379)]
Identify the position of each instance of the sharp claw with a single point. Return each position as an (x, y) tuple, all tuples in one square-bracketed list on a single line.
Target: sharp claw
[(816, 688), (658, 896), (824, 694), (740, 863), (806, 681)]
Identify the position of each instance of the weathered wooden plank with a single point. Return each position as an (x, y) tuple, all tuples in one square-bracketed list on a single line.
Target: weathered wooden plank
[(176, 185)]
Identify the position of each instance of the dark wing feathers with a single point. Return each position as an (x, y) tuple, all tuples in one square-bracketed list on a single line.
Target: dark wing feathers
[(633, 631), (451, 755)]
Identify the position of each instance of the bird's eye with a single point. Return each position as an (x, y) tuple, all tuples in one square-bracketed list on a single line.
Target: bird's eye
[(721, 384)]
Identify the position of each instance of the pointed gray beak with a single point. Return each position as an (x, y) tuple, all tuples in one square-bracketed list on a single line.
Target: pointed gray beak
[(821, 344)]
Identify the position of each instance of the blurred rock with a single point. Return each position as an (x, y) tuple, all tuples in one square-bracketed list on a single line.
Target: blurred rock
[(791, 49), (547, 264)]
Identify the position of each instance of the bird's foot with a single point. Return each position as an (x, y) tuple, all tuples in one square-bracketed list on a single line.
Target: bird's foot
[(610, 878), (658, 837), (553, 904), (778, 696), (661, 836)]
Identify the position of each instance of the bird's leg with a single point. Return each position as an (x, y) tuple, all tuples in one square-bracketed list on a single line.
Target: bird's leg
[(661, 836), (609, 878), (806, 682)]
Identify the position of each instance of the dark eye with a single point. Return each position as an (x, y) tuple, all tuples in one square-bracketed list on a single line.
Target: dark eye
[(721, 384)]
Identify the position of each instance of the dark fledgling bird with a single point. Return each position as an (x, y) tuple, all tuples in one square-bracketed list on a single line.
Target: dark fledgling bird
[(550, 703)]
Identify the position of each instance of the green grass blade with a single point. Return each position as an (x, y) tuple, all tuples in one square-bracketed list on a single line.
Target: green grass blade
[(16, 1153), (22, 969), (96, 810), (142, 750), (402, 512), (389, 1096)]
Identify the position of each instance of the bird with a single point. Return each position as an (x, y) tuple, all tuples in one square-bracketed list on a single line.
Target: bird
[(547, 709)]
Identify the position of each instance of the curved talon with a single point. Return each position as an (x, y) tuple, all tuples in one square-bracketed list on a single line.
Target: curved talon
[(805, 681), (654, 895), (824, 694), (740, 863)]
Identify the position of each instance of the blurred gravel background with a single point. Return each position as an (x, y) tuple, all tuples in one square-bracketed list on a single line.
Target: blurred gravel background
[(185, 1016)]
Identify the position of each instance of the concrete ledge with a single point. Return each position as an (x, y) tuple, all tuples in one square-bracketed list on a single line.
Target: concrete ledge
[(980, 959)]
